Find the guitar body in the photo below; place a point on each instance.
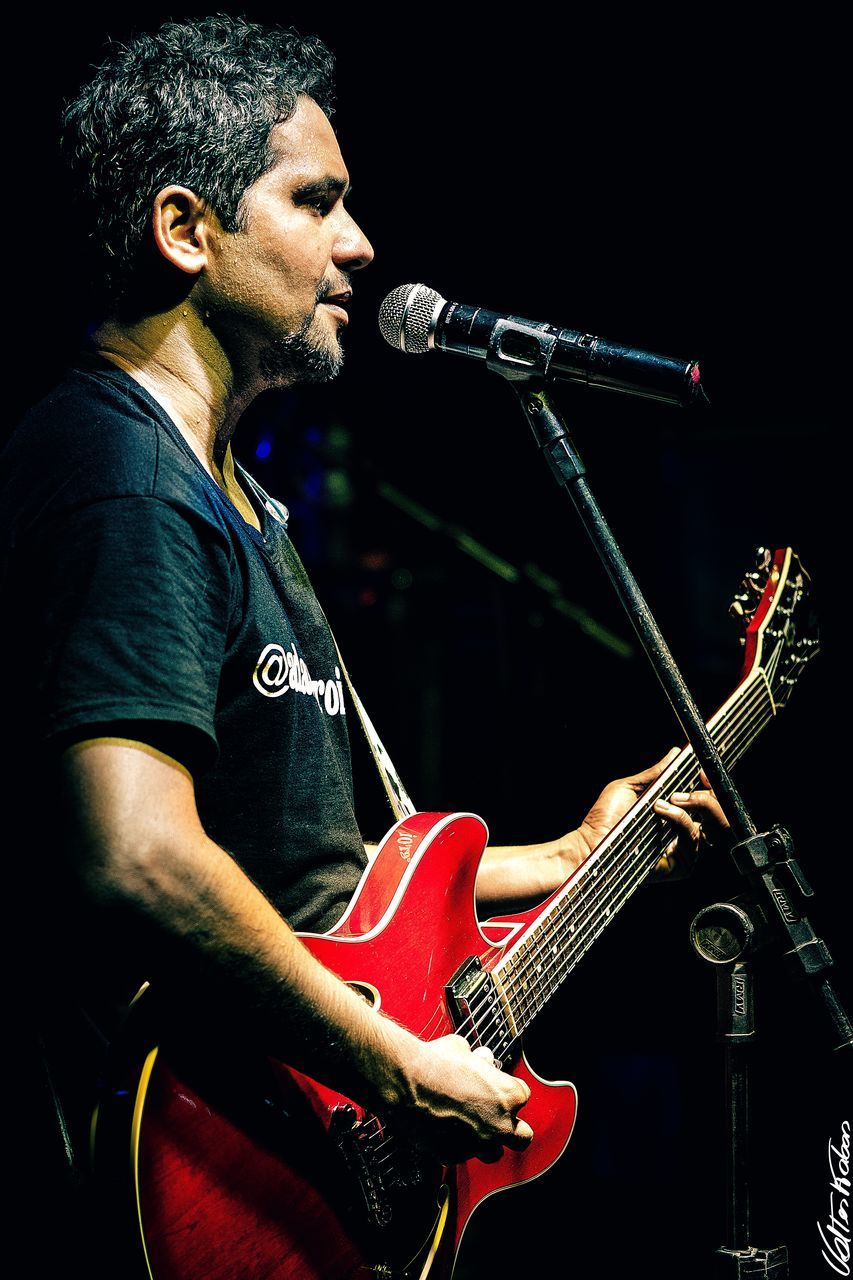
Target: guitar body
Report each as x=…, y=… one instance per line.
x=252, y=1171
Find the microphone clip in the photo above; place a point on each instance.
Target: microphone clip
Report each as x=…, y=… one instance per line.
x=521, y=350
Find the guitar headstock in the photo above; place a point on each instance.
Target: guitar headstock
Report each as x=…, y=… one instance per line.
x=781, y=633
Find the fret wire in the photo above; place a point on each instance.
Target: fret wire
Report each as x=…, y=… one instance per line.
x=534, y=976
x=626, y=887
x=736, y=723
x=645, y=835
x=689, y=770
x=523, y=1017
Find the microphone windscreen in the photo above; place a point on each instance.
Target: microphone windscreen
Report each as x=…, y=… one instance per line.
x=407, y=316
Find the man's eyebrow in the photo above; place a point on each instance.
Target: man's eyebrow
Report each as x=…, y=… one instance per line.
x=323, y=187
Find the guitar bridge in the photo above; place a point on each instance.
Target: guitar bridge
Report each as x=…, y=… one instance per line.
x=382, y=1167
x=354, y=1139
x=479, y=1010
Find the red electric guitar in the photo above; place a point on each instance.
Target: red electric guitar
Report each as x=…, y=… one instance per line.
x=248, y=1170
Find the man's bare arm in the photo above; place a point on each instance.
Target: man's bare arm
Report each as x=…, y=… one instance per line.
x=141, y=853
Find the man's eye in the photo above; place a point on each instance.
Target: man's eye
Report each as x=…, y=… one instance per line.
x=321, y=203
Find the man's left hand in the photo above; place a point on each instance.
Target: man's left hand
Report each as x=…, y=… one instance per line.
x=513, y=877
x=695, y=816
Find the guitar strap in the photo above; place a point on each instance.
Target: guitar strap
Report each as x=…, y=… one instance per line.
x=398, y=796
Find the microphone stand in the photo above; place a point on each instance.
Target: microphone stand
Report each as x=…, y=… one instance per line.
x=727, y=933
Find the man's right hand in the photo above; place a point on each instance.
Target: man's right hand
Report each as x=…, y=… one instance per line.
x=458, y=1105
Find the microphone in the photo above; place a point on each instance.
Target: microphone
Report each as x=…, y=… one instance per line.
x=416, y=319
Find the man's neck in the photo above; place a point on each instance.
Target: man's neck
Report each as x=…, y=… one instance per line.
x=181, y=366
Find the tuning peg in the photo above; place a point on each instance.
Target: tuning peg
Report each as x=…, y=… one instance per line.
x=741, y=606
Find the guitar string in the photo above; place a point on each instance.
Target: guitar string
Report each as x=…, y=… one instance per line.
x=744, y=733
x=730, y=725
x=741, y=723
x=606, y=878
x=733, y=726
x=744, y=723
x=603, y=883
x=586, y=913
x=751, y=722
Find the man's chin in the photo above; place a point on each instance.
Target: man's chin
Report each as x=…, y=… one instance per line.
x=294, y=358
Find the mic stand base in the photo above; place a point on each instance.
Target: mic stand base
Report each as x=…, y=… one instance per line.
x=727, y=935
x=751, y=1264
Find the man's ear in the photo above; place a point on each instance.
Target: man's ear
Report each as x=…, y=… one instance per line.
x=179, y=224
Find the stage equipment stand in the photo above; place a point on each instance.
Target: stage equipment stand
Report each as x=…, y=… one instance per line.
x=726, y=934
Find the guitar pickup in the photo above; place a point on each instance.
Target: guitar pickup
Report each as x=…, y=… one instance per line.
x=478, y=1009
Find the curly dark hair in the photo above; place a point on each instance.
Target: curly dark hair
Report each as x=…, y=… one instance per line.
x=193, y=104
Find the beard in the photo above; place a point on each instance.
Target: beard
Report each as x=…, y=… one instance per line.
x=301, y=356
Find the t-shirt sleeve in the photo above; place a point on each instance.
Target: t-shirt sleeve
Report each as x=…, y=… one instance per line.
x=130, y=603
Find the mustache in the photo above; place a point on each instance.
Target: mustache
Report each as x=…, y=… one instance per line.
x=327, y=287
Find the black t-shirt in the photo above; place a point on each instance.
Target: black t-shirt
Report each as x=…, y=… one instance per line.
x=146, y=606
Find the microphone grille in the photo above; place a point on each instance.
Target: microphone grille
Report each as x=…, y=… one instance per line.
x=407, y=317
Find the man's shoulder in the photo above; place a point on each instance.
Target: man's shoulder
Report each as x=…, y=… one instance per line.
x=97, y=428
x=98, y=435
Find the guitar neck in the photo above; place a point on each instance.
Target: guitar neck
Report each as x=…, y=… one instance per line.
x=532, y=969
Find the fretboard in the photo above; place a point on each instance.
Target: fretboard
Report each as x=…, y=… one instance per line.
x=536, y=965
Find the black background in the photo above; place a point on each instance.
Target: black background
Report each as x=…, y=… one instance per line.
x=668, y=182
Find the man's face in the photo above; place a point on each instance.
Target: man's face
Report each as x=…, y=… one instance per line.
x=278, y=287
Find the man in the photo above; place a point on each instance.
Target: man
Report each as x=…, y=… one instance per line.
x=200, y=819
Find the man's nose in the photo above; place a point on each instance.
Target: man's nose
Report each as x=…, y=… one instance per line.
x=353, y=250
